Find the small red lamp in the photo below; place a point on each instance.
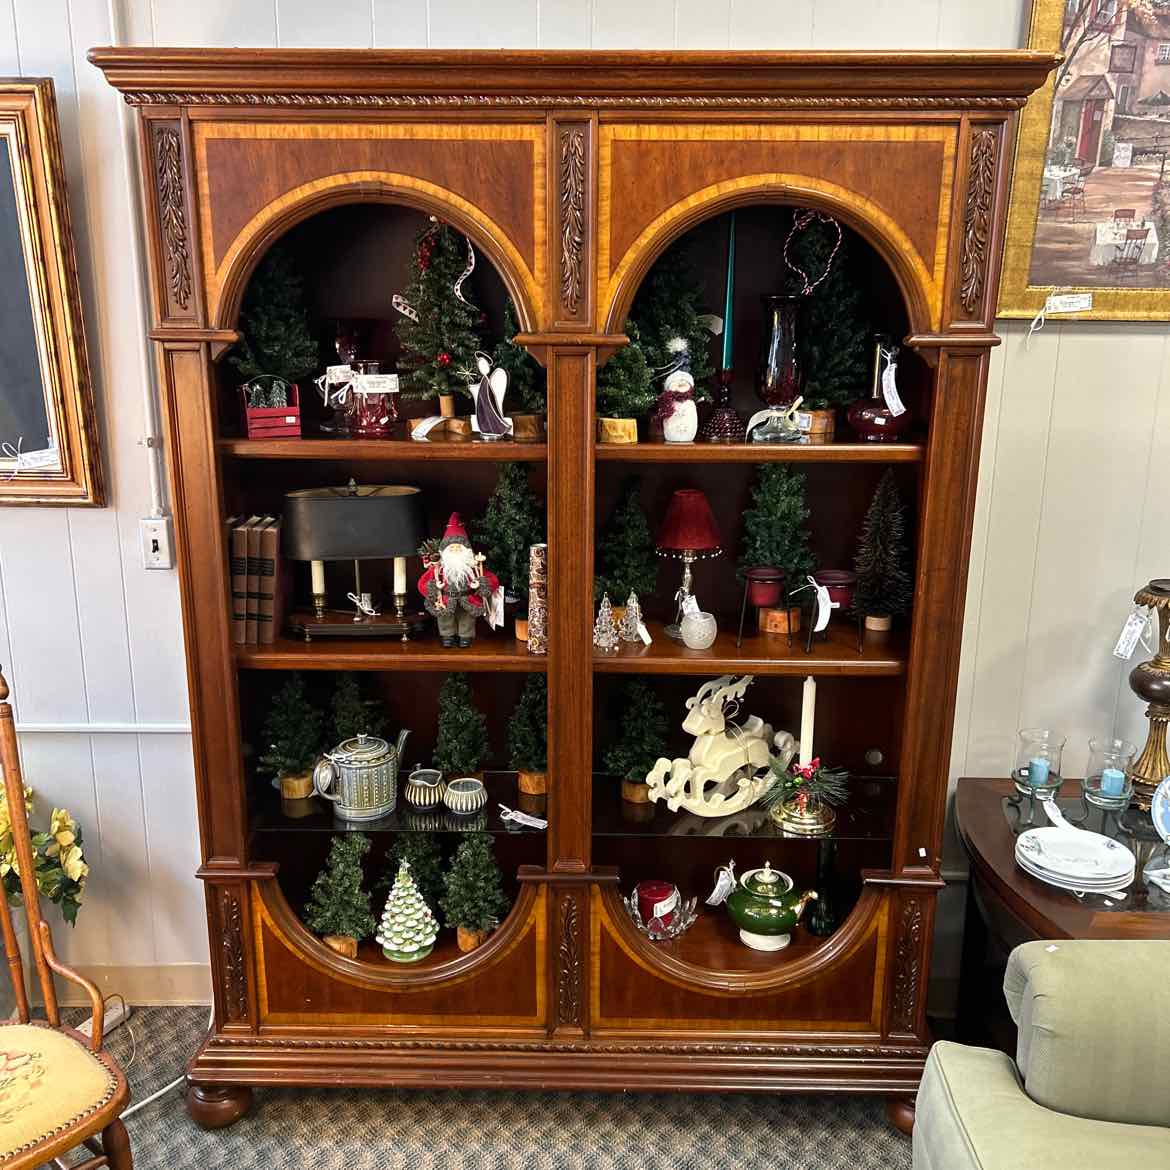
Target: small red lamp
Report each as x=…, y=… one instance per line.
x=688, y=533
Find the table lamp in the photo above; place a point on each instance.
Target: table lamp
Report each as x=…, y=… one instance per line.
x=688, y=533
x=354, y=523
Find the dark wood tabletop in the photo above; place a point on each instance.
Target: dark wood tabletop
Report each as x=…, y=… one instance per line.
x=1042, y=910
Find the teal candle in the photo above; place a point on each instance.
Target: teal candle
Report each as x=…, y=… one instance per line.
x=1037, y=771
x=729, y=294
x=1112, y=782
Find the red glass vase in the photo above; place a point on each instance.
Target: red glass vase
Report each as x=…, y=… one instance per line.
x=779, y=376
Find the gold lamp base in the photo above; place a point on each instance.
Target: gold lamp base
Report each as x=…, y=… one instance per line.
x=814, y=819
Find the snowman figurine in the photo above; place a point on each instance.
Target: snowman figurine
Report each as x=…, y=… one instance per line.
x=676, y=408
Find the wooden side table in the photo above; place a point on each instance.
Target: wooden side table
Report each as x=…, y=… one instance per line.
x=1006, y=906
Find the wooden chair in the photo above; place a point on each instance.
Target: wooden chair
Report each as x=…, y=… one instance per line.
x=1129, y=254
x=58, y=1090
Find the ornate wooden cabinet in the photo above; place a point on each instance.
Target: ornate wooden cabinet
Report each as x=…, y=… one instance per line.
x=571, y=173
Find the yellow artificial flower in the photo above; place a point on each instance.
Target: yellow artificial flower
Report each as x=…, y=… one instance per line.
x=73, y=863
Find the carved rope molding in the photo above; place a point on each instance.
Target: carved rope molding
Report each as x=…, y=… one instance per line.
x=172, y=212
x=235, y=981
x=569, y=962
x=645, y=101
x=572, y=211
x=907, y=967
x=977, y=224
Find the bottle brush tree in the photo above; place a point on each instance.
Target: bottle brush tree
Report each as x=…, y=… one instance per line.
x=275, y=334
x=292, y=731
x=425, y=856
x=473, y=896
x=885, y=586
x=774, y=530
x=512, y=522
x=353, y=714
x=641, y=733
x=528, y=728
x=338, y=905
x=625, y=550
x=526, y=380
x=443, y=341
x=462, y=741
x=625, y=386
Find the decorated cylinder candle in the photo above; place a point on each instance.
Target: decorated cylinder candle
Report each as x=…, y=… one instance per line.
x=1112, y=782
x=657, y=899
x=1037, y=771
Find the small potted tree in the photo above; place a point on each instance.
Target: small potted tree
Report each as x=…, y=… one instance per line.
x=528, y=736
x=512, y=522
x=885, y=587
x=338, y=908
x=292, y=733
x=526, y=381
x=276, y=347
x=473, y=897
x=353, y=714
x=641, y=740
x=625, y=550
x=625, y=392
x=776, y=542
x=462, y=741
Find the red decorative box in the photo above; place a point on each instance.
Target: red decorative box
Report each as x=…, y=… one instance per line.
x=273, y=422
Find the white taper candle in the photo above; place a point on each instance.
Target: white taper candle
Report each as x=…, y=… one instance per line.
x=317, y=570
x=399, y=576
x=807, y=718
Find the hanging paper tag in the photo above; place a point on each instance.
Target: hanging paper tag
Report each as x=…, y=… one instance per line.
x=48, y=459
x=338, y=373
x=724, y=884
x=378, y=383
x=495, y=609
x=509, y=815
x=424, y=426
x=662, y=908
x=644, y=634
x=690, y=605
x=1130, y=633
x=890, y=389
x=1069, y=303
x=824, y=607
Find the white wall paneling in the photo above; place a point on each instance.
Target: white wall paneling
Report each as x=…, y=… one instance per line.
x=1073, y=509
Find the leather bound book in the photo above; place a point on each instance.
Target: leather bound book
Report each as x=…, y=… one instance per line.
x=252, y=612
x=238, y=567
x=267, y=577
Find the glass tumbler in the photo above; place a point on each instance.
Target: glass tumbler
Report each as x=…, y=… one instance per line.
x=1037, y=770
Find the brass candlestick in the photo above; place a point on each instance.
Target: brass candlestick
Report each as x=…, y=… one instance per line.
x=1151, y=681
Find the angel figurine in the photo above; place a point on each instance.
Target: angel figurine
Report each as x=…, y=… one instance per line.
x=488, y=421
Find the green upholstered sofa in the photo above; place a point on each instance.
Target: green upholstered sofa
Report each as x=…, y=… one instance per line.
x=1090, y=1086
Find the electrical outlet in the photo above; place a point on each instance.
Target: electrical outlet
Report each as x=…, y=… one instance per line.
x=157, y=552
x=117, y=1012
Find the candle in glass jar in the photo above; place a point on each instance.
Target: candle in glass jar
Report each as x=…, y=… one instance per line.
x=1112, y=781
x=317, y=571
x=1038, y=771
x=807, y=718
x=399, y=576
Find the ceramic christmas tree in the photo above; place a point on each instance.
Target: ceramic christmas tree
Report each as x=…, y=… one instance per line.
x=408, y=929
x=605, y=632
x=631, y=620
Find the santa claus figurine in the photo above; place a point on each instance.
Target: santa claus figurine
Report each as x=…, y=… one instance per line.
x=457, y=587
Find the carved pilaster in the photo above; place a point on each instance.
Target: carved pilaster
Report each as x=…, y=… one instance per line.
x=232, y=957
x=569, y=960
x=170, y=194
x=907, y=966
x=977, y=217
x=571, y=217
x=572, y=199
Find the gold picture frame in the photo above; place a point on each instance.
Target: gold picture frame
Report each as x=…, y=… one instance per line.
x=1093, y=143
x=49, y=449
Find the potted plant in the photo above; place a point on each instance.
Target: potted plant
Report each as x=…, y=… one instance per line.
x=528, y=736
x=352, y=713
x=526, y=381
x=292, y=731
x=885, y=587
x=276, y=347
x=338, y=908
x=626, y=559
x=641, y=740
x=512, y=522
x=776, y=539
x=473, y=896
x=462, y=741
x=625, y=392
x=440, y=336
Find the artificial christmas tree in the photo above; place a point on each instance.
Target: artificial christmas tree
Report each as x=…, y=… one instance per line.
x=774, y=531
x=473, y=898
x=625, y=549
x=528, y=736
x=885, y=585
x=462, y=742
x=292, y=733
x=512, y=522
x=438, y=332
x=625, y=391
x=408, y=929
x=526, y=380
x=423, y=852
x=631, y=620
x=641, y=739
x=338, y=908
x=605, y=632
x=352, y=713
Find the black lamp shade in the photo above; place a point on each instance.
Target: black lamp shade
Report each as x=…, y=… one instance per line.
x=366, y=522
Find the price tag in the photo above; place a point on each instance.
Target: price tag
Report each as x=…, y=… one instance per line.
x=338, y=373
x=690, y=605
x=1127, y=640
x=379, y=383
x=644, y=634
x=47, y=460
x=515, y=817
x=1069, y=303
x=495, y=608
x=890, y=389
x=824, y=607
x=424, y=426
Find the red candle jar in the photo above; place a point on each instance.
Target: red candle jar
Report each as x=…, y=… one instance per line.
x=839, y=583
x=657, y=899
x=765, y=585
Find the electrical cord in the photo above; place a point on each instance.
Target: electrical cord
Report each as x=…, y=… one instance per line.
x=179, y=1080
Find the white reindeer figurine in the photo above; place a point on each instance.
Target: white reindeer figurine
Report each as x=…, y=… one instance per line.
x=727, y=768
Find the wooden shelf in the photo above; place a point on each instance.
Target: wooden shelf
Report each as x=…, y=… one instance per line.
x=881, y=655
x=760, y=453
x=488, y=652
x=713, y=944
x=383, y=450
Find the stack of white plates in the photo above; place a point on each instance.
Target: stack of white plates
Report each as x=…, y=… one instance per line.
x=1074, y=859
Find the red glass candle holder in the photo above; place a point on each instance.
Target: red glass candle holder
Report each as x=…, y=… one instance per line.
x=840, y=584
x=765, y=586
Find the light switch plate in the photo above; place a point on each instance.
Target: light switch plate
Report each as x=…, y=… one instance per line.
x=157, y=544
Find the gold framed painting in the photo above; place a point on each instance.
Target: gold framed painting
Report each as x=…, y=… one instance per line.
x=49, y=451
x=1090, y=204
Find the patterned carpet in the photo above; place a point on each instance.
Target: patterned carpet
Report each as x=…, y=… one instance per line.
x=362, y=1129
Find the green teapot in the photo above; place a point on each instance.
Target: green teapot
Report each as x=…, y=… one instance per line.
x=762, y=903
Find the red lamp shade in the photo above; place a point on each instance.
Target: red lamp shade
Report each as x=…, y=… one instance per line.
x=689, y=525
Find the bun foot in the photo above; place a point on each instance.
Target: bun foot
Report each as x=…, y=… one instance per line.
x=900, y=1111
x=217, y=1106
